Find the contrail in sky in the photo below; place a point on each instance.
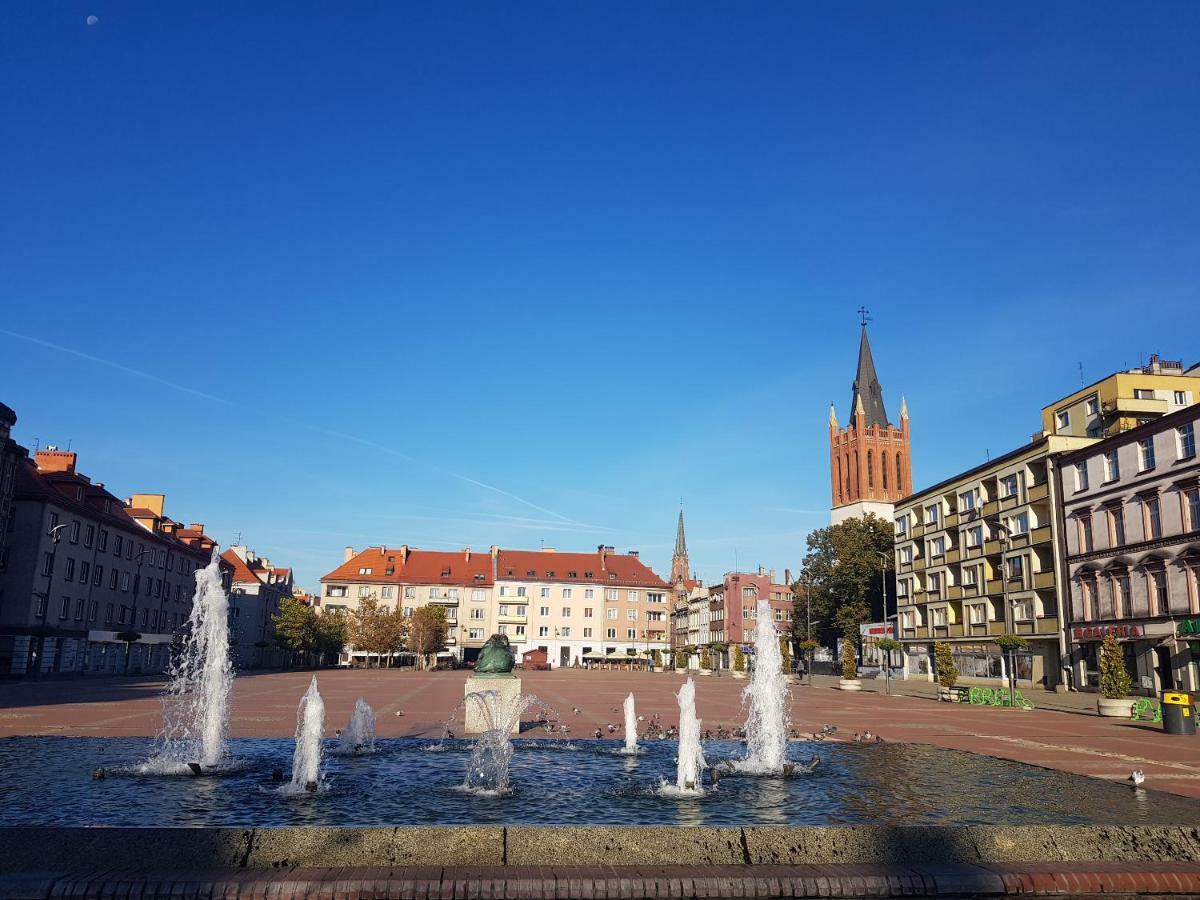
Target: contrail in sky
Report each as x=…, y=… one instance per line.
x=138, y=373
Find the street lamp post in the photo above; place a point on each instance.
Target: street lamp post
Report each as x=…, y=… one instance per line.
x=1007, y=666
x=55, y=535
x=883, y=558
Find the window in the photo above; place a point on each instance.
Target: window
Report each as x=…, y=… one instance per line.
x=971, y=576
x=1180, y=398
x=543, y=611
x=475, y=634
x=935, y=585
x=587, y=632
x=565, y=631
x=1143, y=394
x=633, y=596
x=1185, y=439
x=1116, y=525
x=1019, y=524
x=611, y=633
x=655, y=597
x=79, y=604
x=902, y=587
x=631, y=633
x=611, y=612
x=1008, y=485
x=69, y=570
x=1023, y=610
x=975, y=536
x=545, y=592
x=385, y=592
x=108, y=614
x=1085, y=534
x=1081, y=477
x=566, y=595
x=939, y=546
x=566, y=612
x=906, y=555
x=610, y=595
x=902, y=525
x=85, y=571
x=1124, y=597
x=543, y=631
x=112, y=579
x=125, y=584
x=939, y=617
x=1062, y=419
x=367, y=571
x=631, y=615
x=931, y=514
x=977, y=614
x=1192, y=498
x=98, y=576
x=1153, y=517
x=477, y=595
x=410, y=593
x=117, y=542
x=1112, y=468
x=520, y=630
x=477, y=614
x=966, y=501
x=588, y=594
x=74, y=532
x=1159, y=596
x=587, y=612
x=1145, y=454
x=521, y=591
x=64, y=608
x=364, y=591
x=1016, y=568
x=102, y=543
x=1092, y=405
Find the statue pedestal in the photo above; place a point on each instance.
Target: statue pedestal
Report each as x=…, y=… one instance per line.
x=506, y=686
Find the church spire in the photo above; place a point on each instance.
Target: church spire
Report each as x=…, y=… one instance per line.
x=867, y=388
x=679, y=559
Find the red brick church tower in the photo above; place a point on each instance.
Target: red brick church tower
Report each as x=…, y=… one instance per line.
x=870, y=466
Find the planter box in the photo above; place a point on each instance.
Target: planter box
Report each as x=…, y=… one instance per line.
x=1121, y=708
x=850, y=685
x=738, y=674
x=704, y=671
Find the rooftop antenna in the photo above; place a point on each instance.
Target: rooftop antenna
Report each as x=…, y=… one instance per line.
x=1081, y=372
x=988, y=451
x=70, y=441
x=865, y=313
x=37, y=444
x=735, y=562
x=238, y=539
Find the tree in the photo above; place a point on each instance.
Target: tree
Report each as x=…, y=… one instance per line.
x=295, y=627
x=947, y=672
x=843, y=572
x=785, y=651
x=427, y=631
x=656, y=658
x=373, y=630
x=739, y=658
x=1114, y=677
x=331, y=631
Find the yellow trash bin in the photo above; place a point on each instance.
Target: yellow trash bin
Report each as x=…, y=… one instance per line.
x=1178, y=715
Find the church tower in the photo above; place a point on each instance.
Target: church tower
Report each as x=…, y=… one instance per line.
x=869, y=461
x=680, y=571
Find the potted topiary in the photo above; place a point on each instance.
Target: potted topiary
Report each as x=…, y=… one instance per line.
x=785, y=653
x=681, y=660
x=849, y=680
x=739, y=661
x=705, y=661
x=1009, y=644
x=655, y=660
x=947, y=672
x=1114, y=680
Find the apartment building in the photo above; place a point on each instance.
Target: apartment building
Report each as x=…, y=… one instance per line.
x=461, y=582
x=577, y=605
x=90, y=577
x=1132, y=533
x=11, y=455
x=257, y=590
x=977, y=556
x=1124, y=400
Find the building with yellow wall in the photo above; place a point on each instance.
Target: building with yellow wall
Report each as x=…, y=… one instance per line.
x=1124, y=400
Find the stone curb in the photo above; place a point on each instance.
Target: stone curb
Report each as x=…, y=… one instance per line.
x=30, y=850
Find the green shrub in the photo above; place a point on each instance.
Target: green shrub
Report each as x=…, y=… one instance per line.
x=849, y=663
x=1114, y=677
x=785, y=650
x=656, y=658
x=739, y=658
x=705, y=659
x=681, y=660
x=947, y=672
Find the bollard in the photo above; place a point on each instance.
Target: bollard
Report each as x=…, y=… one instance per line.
x=1178, y=717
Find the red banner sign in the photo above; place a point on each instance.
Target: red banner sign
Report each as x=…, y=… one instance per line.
x=1100, y=632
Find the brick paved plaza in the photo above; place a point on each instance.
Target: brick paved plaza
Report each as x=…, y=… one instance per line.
x=265, y=706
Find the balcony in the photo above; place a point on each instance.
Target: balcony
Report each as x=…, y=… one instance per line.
x=1041, y=535
x=512, y=617
x=951, y=520
x=1043, y=580
x=1136, y=405
x=1047, y=625
x=953, y=555
x=995, y=586
x=1039, y=492
x=444, y=600
x=954, y=592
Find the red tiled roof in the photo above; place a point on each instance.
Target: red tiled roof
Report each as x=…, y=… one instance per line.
x=612, y=568
x=421, y=567
x=243, y=572
x=138, y=512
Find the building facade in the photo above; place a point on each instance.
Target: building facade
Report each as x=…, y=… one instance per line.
x=870, y=464
x=978, y=556
x=1124, y=400
x=91, y=585
x=257, y=590
x=1132, y=532
x=722, y=615
x=12, y=455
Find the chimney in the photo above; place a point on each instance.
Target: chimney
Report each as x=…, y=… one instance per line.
x=466, y=554
x=403, y=554
x=633, y=553
x=54, y=460
x=548, y=550
x=772, y=574
x=762, y=571
x=382, y=550
x=787, y=577
x=603, y=551
x=348, y=555
x=197, y=526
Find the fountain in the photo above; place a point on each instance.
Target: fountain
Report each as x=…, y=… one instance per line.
x=487, y=769
x=767, y=695
x=691, y=755
x=631, y=735
x=359, y=735
x=196, y=703
x=310, y=730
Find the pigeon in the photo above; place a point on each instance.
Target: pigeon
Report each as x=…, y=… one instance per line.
x=99, y=775
x=577, y=710
x=399, y=712
x=867, y=736
x=611, y=727
x=641, y=718
x=599, y=734
x=809, y=766
x=1137, y=777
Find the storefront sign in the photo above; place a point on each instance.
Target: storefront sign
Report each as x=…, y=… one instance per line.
x=1100, y=632
x=1190, y=627
x=875, y=630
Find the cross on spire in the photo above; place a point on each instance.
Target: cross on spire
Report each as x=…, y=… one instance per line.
x=865, y=313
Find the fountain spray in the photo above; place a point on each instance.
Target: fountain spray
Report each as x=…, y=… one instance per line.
x=767, y=696
x=359, y=735
x=691, y=754
x=310, y=730
x=631, y=736
x=195, y=722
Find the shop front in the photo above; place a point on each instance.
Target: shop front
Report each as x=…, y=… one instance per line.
x=1155, y=659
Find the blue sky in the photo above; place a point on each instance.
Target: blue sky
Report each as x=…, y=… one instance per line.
x=457, y=274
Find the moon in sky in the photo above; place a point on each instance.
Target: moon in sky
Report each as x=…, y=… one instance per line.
x=92, y=20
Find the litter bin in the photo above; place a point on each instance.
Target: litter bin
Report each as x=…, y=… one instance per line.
x=1178, y=717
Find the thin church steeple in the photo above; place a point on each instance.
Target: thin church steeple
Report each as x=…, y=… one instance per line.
x=679, y=559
